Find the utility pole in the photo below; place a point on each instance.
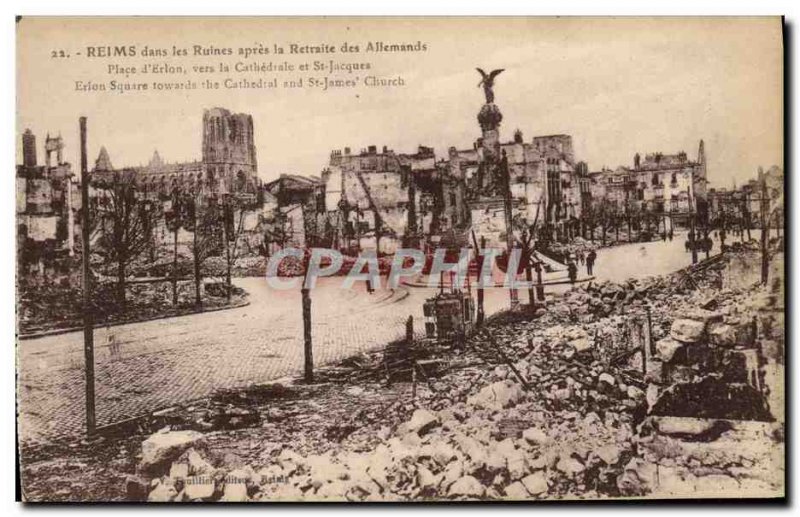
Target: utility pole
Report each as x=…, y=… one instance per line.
x=88, y=315
x=196, y=256
x=307, y=344
x=692, y=234
x=747, y=217
x=175, y=267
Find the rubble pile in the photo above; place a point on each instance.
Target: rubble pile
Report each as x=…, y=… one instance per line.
x=476, y=432
x=571, y=403
x=714, y=425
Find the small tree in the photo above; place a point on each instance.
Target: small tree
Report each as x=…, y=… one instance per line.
x=205, y=239
x=125, y=223
x=175, y=219
x=232, y=225
x=526, y=240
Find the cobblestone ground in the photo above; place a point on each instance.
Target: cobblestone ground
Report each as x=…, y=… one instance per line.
x=165, y=362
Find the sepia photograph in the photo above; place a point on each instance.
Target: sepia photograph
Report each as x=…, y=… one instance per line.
x=400, y=259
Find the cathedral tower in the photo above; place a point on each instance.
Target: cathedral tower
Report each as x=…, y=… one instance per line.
x=28, y=149
x=229, y=152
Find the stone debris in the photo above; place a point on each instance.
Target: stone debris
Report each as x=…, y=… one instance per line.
x=163, y=447
x=589, y=427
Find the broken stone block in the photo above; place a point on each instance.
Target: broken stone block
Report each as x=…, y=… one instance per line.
x=697, y=314
x=179, y=470
x=536, y=483
x=422, y=421
x=569, y=465
x=467, y=486
x=667, y=348
x=452, y=473
x=517, y=464
x=581, y=345
x=503, y=394
x=652, y=394
x=729, y=336
x=163, y=447
x=640, y=477
x=607, y=378
x=635, y=393
x=535, y=436
x=197, y=465
x=683, y=426
x=687, y=331
x=427, y=480
x=516, y=491
x=162, y=493
x=609, y=453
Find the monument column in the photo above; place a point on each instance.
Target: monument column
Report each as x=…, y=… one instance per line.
x=489, y=118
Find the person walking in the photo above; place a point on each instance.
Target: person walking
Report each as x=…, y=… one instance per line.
x=572, y=268
x=590, y=258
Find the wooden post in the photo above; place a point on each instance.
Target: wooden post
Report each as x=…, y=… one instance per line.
x=307, y=344
x=88, y=314
x=539, y=284
x=413, y=382
x=480, y=314
x=529, y=279
x=175, y=267
x=764, y=231
x=407, y=356
x=196, y=257
x=649, y=348
x=692, y=229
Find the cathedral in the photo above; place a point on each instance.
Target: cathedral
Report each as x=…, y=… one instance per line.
x=228, y=164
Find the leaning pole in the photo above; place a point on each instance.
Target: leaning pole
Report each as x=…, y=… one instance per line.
x=88, y=315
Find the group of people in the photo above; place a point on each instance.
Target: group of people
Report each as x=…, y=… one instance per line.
x=579, y=257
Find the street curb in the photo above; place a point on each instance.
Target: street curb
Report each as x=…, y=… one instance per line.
x=55, y=332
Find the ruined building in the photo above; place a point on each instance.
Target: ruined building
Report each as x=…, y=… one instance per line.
x=422, y=195
x=670, y=185
x=382, y=197
x=47, y=200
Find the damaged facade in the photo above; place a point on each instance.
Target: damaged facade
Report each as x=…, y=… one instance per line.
x=47, y=199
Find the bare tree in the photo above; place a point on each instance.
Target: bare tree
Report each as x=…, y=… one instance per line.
x=527, y=242
x=608, y=218
x=232, y=226
x=125, y=222
x=203, y=223
x=175, y=219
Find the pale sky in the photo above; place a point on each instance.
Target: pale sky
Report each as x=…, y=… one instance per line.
x=618, y=86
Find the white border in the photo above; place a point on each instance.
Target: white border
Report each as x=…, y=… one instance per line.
x=339, y=7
